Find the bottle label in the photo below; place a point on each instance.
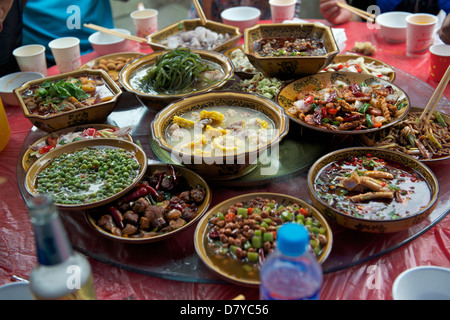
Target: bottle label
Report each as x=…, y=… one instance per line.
x=265, y=294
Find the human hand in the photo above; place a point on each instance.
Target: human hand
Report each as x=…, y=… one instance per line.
x=444, y=31
x=5, y=6
x=333, y=13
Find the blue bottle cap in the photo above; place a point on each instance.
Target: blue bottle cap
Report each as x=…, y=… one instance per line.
x=292, y=239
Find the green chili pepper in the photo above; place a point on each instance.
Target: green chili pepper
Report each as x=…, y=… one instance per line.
x=440, y=119
x=364, y=107
x=369, y=120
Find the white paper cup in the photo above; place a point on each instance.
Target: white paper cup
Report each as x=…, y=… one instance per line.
x=145, y=22
x=419, y=33
x=31, y=58
x=282, y=10
x=66, y=52
x=422, y=283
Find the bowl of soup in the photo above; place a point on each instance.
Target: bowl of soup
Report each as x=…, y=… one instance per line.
x=290, y=50
x=372, y=190
x=69, y=99
x=165, y=76
x=221, y=135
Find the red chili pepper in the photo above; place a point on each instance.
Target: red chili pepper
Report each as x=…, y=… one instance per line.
x=141, y=191
x=309, y=99
x=45, y=149
x=332, y=111
x=90, y=132
x=352, y=117
x=229, y=217
x=340, y=67
x=304, y=212
x=117, y=216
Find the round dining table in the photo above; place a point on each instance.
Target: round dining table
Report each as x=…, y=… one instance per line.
x=361, y=266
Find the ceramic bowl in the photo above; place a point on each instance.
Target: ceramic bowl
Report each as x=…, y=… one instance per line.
x=228, y=166
x=368, y=225
x=33, y=172
x=155, y=39
x=242, y=66
x=16, y=291
x=288, y=94
x=422, y=283
x=192, y=179
x=28, y=159
x=392, y=26
x=12, y=81
x=161, y=100
x=104, y=43
x=202, y=230
x=342, y=59
x=96, y=113
x=242, y=17
x=290, y=67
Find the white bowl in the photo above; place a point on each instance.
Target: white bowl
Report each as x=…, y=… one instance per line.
x=242, y=17
x=12, y=81
x=392, y=25
x=422, y=283
x=104, y=43
x=16, y=291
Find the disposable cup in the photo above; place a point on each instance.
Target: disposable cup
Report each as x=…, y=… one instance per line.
x=419, y=33
x=422, y=283
x=66, y=52
x=31, y=58
x=145, y=22
x=282, y=10
x=439, y=60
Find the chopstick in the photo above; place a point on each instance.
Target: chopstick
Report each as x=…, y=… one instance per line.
x=437, y=94
x=200, y=12
x=114, y=33
x=361, y=13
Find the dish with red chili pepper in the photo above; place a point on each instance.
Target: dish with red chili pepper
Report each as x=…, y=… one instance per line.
x=162, y=202
x=338, y=106
x=372, y=188
x=240, y=238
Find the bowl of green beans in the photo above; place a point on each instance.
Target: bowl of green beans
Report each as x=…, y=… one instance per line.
x=87, y=173
x=162, y=77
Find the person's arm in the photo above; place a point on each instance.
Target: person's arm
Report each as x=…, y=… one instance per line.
x=444, y=31
x=335, y=14
x=206, y=5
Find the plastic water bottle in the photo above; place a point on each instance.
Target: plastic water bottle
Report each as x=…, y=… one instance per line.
x=291, y=271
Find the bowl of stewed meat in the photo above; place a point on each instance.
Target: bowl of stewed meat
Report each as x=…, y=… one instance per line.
x=235, y=237
x=372, y=190
x=222, y=135
x=68, y=99
x=290, y=50
x=167, y=200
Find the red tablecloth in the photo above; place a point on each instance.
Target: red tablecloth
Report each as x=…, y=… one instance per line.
x=371, y=280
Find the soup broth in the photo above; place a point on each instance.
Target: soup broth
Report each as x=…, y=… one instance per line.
x=220, y=131
x=372, y=188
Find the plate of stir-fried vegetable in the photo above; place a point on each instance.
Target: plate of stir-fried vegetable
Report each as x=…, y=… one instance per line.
x=344, y=102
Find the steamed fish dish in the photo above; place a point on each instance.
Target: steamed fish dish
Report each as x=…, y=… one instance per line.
x=219, y=131
x=178, y=71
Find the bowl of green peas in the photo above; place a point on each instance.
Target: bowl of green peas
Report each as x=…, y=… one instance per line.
x=234, y=238
x=87, y=173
